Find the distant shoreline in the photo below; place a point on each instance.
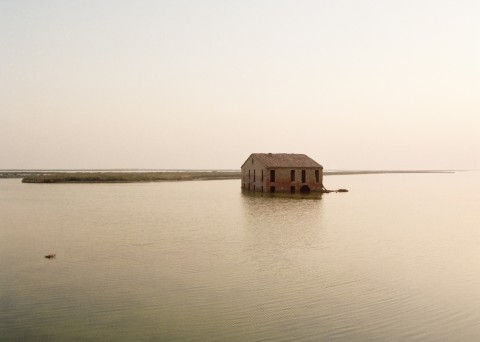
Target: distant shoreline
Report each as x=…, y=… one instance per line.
x=161, y=176
x=376, y=172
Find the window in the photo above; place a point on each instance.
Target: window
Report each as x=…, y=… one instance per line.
x=304, y=176
x=272, y=175
x=292, y=189
x=272, y=188
x=317, y=176
x=262, y=175
x=292, y=175
x=254, y=178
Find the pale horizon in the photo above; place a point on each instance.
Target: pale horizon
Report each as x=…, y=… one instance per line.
x=201, y=85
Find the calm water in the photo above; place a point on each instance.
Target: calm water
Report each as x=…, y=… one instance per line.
x=396, y=258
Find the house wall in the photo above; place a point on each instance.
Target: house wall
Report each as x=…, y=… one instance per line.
x=252, y=175
x=283, y=181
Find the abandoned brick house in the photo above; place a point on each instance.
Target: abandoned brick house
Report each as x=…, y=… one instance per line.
x=282, y=172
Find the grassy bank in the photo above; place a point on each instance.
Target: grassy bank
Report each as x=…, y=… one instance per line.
x=130, y=177
x=127, y=177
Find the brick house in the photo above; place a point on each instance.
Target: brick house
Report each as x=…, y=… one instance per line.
x=282, y=172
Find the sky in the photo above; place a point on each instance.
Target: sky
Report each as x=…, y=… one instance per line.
x=354, y=84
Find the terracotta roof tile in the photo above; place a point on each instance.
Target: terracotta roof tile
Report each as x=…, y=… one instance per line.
x=285, y=160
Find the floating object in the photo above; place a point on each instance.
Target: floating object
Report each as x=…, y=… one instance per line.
x=50, y=256
x=326, y=191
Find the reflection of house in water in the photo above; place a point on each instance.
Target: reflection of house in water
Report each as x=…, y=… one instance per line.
x=281, y=172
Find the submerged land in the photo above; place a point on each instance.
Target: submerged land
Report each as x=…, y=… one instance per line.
x=160, y=176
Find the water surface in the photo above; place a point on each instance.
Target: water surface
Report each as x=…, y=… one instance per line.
x=396, y=258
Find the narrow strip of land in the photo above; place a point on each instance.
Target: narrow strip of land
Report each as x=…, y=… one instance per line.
x=128, y=177
x=161, y=176
x=374, y=172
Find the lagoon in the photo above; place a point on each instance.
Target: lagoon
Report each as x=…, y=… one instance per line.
x=395, y=258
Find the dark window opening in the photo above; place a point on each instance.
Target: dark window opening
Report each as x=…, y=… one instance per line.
x=304, y=176
x=292, y=175
x=254, y=178
x=262, y=188
x=317, y=176
x=272, y=175
x=272, y=188
x=262, y=175
x=292, y=189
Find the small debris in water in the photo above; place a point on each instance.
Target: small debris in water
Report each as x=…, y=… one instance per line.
x=329, y=191
x=50, y=256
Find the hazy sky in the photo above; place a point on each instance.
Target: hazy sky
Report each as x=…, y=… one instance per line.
x=202, y=84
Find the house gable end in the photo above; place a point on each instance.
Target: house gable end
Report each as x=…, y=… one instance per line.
x=256, y=161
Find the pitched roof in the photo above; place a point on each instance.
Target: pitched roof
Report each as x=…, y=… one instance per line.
x=285, y=160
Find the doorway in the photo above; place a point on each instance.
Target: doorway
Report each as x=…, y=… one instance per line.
x=305, y=189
